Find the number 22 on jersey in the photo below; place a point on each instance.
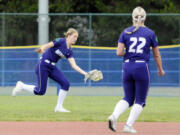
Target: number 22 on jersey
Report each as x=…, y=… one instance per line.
x=139, y=46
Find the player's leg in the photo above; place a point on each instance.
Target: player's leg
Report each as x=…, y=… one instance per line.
x=40, y=89
x=42, y=78
x=123, y=104
x=142, y=86
x=128, y=83
x=59, y=77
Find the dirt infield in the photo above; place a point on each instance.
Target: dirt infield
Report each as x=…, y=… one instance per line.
x=84, y=128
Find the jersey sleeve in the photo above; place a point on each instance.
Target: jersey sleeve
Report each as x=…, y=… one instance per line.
x=121, y=38
x=57, y=42
x=154, y=40
x=69, y=54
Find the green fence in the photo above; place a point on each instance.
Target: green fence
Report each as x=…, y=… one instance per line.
x=94, y=29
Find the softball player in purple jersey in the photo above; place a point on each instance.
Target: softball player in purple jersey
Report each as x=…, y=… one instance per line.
x=137, y=40
x=46, y=67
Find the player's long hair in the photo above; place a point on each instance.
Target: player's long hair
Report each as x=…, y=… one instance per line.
x=138, y=16
x=70, y=31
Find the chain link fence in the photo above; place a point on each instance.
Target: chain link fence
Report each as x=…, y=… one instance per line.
x=94, y=29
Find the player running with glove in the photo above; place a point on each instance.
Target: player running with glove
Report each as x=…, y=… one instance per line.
x=46, y=67
x=137, y=40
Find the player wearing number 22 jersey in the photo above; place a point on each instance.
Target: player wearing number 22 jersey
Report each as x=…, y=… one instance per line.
x=138, y=44
x=137, y=41
x=136, y=75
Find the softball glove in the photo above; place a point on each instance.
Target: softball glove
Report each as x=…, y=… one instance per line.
x=94, y=75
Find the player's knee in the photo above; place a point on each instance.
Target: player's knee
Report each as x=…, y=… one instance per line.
x=65, y=85
x=142, y=103
x=39, y=92
x=130, y=101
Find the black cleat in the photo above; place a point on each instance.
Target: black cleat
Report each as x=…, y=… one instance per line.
x=112, y=123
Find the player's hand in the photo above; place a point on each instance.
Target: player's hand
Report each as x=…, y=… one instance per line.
x=161, y=73
x=39, y=50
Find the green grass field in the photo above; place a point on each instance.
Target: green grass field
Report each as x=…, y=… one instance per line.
x=84, y=108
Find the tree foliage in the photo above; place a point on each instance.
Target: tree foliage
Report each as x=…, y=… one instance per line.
x=18, y=6
x=92, y=6
x=105, y=30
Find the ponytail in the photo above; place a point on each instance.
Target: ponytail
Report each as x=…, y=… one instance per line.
x=138, y=15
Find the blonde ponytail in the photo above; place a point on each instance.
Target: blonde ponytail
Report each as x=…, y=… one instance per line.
x=138, y=16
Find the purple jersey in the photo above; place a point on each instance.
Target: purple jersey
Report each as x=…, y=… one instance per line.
x=59, y=51
x=138, y=43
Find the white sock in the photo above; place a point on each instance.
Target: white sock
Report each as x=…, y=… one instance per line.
x=29, y=88
x=135, y=112
x=61, y=98
x=121, y=106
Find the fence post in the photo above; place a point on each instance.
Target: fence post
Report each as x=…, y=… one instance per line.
x=179, y=51
x=3, y=44
x=90, y=42
x=43, y=22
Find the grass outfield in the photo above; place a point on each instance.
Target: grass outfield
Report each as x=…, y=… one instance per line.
x=84, y=108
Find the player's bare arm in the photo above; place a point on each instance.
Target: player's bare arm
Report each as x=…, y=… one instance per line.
x=120, y=49
x=157, y=58
x=75, y=66
x=44, y=47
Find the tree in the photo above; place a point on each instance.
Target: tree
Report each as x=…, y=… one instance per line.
x=22, y=30
x=91, y=6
